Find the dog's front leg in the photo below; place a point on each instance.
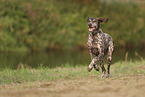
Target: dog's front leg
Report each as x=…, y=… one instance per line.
x=89, y=43
x=90, y=52
x=93, y=62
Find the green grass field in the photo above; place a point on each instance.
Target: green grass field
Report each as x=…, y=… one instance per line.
x=45, y=74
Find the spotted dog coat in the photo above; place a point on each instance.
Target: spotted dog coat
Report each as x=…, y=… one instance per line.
x=99, y=44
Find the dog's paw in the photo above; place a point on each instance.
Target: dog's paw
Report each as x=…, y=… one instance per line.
x=89, y=69
x=96, y=68
x=107, y=75
x=102, y=75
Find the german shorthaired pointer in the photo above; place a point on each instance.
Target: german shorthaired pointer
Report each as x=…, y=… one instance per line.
x=99, y=44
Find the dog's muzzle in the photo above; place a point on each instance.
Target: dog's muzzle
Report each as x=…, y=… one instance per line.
x=90, y=27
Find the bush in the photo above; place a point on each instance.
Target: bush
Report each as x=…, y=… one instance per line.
x=43, y=24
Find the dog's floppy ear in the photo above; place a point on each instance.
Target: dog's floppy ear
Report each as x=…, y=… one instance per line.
x=102, y=20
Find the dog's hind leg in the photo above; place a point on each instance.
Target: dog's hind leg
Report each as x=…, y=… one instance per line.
x=109, y=58
x=102, y=66
x=101, y=60
x=108, y=65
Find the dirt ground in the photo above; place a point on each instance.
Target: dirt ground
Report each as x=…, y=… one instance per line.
x=128, y=86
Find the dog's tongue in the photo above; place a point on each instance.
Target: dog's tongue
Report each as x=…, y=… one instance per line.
x=91, y=29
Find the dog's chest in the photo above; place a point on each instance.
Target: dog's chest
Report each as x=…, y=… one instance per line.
x=98, y=39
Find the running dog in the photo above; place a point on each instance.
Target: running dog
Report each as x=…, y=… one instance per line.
x=99, y=43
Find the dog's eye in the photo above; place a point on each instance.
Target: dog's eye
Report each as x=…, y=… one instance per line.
x=89, y=20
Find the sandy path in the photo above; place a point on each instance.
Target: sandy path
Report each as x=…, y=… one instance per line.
x=130, y=86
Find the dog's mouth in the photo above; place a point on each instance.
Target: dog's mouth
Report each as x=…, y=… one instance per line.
x=91, y=29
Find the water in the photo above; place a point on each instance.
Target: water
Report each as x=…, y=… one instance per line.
x=56, y=58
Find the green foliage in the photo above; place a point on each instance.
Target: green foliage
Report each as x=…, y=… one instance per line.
x=42, y=24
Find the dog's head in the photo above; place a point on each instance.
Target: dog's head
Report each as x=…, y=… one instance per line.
x=94, y=23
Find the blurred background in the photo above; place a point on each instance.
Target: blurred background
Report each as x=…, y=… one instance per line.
x=55, y=32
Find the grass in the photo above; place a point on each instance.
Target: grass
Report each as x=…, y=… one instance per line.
x=45, y=74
